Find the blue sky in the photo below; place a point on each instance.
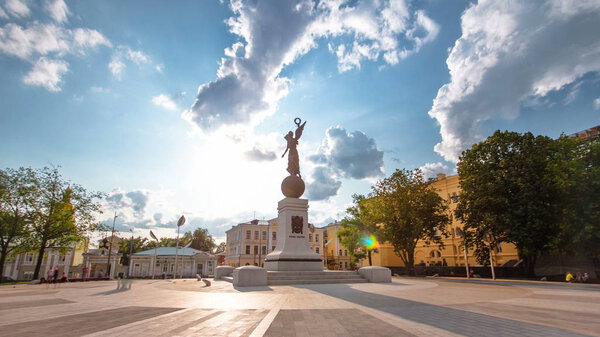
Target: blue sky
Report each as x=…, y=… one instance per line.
x=181, y=107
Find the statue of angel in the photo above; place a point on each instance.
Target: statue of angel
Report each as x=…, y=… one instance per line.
x=292, y=141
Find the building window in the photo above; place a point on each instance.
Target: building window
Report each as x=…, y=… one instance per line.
x=340, y=251
x=264, y=250
x=316, y=237
x=255, y=235
x=247, y=249
x=264, y=236
x=341, y=265
x=309, y=237
x=454, y=197
x=274, y=234
x=248, y=235
x=499, y=248
x=345, y=252
x=255, y=250
x=346, y=265
x=317, y=250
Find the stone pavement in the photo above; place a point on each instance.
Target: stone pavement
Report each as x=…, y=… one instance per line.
x=406, y=307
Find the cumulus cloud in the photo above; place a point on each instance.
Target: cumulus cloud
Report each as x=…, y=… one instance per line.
x=352, y=155
x=124, y=54
x=509, y=51
x=57, y=10
x=257, y=154
x=133, y=201
x=45, y=45
x=597, y=104
x=431, y=170
x=46, y=73
x=16, y=8
x=165, y=102
x=275, y=33
x=322, y=184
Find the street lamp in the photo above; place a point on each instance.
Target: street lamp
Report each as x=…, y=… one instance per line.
x=112, y=234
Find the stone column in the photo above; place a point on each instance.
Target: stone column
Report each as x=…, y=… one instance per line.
x=293, y=249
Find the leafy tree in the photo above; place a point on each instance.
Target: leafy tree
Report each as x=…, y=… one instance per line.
x=221, y=247
x=513, y=190
x=408, y=210
x=200, y=239
x=164, y=242
x=15, y=219
x=356, y=227
x=132, y=245
x=62, y=212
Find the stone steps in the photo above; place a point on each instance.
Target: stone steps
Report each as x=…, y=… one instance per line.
x=313, y=277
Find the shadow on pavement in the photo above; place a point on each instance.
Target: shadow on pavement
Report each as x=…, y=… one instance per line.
x=453, y=320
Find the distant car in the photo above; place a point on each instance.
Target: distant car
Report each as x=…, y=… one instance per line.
x=7, y=279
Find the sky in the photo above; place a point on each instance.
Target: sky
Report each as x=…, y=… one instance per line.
x=180, y=108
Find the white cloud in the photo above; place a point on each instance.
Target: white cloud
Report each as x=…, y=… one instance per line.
x=275, y=33
x=133, y=202
x=89, y=38
x=3, y=14
x=165, y=102
x=57, y=9
x=509, y=51
x=322, y=184
x=46, y=73
x=124, y=53
x=597, y=104
x=431, y=170
x=351, y=154
x=16, y=8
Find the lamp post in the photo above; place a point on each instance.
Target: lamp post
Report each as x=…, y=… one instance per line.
x=154, y=262
x=130, y=253
x=112, y=234
x=180, y=223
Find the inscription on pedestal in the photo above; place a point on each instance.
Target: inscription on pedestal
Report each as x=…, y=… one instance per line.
x=297, y=224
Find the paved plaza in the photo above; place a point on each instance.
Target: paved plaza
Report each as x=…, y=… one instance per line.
x=406, y=307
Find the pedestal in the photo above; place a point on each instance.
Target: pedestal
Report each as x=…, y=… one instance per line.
x=293, y=252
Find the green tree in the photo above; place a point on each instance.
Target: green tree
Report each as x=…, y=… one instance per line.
x=221, y=247
x=357, y=227
x=513, y=189
x=15, y=219
x=62, y=212
x=133, y=245
x=200, y=239
x=164, y=242
x=408, y=210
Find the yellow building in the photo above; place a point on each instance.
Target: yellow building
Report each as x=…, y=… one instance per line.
x=452, y=254
x=337, y=255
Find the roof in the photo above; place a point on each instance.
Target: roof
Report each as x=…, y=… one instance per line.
x=166, y=251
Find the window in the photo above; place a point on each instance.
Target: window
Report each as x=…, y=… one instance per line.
x=454, y=197
x=309, y=237
x=248, y=249
x=316, y=237
x=499, y=248
x=340, y=252
x=264, y=235
x=255, y=250
x=346, y=265
x=274, y=234
x=255, y=235
x=264, y=250
x=341, y=265
x=345, y=252
x=248, y=235
x=317, y=250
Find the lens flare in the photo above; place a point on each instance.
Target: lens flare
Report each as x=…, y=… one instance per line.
x=370, y=242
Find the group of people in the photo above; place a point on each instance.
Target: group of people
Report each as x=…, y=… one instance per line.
x=579, y=277
x=52, y=276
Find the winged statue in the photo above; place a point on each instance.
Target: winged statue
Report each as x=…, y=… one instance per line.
x=292, y=142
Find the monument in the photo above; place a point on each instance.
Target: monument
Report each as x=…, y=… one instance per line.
x=293, y=252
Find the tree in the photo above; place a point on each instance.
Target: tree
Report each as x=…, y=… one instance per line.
x=357, y=228
x=164, y=242
x=132, y=245
x=221, y=247
x=15, y=219
x=513, y=190
x=408, y=210
x=200, y=239
x=62, y=212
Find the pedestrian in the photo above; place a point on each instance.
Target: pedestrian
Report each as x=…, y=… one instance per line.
x=55, y=274
x=585, y=277
x=569, y=277
x=578, y=277
x=63, y=279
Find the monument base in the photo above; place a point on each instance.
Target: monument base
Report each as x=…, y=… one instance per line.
x=294, y=265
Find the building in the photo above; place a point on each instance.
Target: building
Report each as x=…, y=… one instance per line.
x=68, y=260
x=161, y=262
x=337, y=256
x=587, y=135
x=452, y=254
x=249, y=242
